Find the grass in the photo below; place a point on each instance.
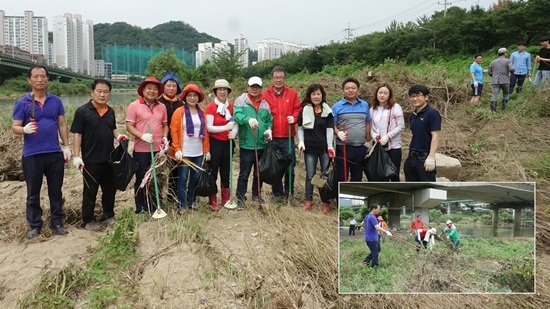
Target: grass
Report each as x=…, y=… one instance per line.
x=485, y=265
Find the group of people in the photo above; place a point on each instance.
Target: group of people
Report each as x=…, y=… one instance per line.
x=509, y=73
x=168, y=118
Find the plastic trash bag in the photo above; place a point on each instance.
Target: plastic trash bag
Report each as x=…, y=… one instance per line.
x=122, y=165
x=379, y=166
x=206, y=185
x=273, y=165
x=329, y=190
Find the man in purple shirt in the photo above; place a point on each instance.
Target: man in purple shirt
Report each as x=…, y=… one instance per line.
x=371, y=235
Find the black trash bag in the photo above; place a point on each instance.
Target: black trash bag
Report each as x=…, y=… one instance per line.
x=330, y=190
x=122, y=165
x=206, y=185
x=273, y=165
x=379, y=166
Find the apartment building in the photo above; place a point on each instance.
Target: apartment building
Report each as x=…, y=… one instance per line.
x=28, y=33
x=207, y=51
x=73, y=43
x=241, y=46
x=269, y=49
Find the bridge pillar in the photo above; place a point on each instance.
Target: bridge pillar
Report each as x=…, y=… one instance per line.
x=495, y=222
x=394, y=218
x=517, y=218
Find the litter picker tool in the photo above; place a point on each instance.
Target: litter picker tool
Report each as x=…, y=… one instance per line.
x=405, y=242
x=260, y=208
x=289, y=167
x=230, y=204
x=159, y=213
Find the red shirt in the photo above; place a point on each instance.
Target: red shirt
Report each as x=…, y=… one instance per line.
x=417, y=224
x=423, y=233
x=283, y=105
x=219, y=120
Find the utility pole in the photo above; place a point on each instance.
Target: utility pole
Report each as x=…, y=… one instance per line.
x=445, y=7
x=349, y=33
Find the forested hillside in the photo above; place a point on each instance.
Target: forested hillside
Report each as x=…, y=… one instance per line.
x=172, y=34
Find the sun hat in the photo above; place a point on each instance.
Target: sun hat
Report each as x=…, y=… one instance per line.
x=433, y=230
x=380, y=218
x=255, y=80
x=192, y=88
x=171, y=76
x=221, y=83
x=449, y=222
x=502, y=50
x=150, y=80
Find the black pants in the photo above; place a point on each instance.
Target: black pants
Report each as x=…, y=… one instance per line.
x=374, y=247
x=520, y=79
x=282, y=145
x=414, y=169
x=219, y=162
x=35, y=167
x=104, y=177
x=395, y=157
x=247, y=161
x=142, y=199
x=355, y=158
x=351, y=230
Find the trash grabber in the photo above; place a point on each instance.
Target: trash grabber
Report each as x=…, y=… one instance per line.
x=345, y=154
x=159, y=213
x=405, y=242
x=230, y=204
x=260, y=208
x=289, y=167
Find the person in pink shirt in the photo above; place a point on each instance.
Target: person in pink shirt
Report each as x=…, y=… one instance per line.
x=143, y=112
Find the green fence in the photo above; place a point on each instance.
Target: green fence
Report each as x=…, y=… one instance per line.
x=132, y=60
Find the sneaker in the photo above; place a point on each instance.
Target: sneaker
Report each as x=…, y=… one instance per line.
x=240, y=205
x=308, y=205
x=108, y=221
x=33, y=233
x=93, y=226
x=59, y=230
x=256, y=198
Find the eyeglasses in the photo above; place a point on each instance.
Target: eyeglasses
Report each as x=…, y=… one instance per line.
x=415, y=95
x=278, y=77
x=192, y=95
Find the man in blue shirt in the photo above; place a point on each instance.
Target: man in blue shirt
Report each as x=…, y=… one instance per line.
x=476, y=75
x=521, y=60
x=370, y=223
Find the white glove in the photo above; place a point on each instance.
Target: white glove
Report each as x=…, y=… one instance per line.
x=231, y=135
x=147, y=137
x=384, y=140
x=179, y=155
x=66, y=153
x=429, y=164
x=343, y=136
x=301, y=146
x=475, y=83
x=77, y=162
x=375, y=136
x=229, y=126
x=207, y=156
x=253, y=123
x=368, y=145
x=164, y=143
x=388, y=233
x=290, y=119
x=121, y=137
x=268, y=134
x=30, y=128
x=447, y=237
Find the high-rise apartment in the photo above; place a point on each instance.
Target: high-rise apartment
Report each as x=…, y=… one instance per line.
x=28, y=33
x=207, y=51
x=273, y=48
x=73, y=43
x=241, y=47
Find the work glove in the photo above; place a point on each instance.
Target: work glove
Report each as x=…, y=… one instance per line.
x=268, y=135
x=179, y=155
x=290, y=119
x=475, y=84
x=301, y=146
x=66, y=153
x=30, y=128
x=231, y=135
x=164, y=143
x=121, y=137
x=384, y=140
x=330, y=152
x=147, y=137
x=229, y=126
x=447, y=237
x=375, y=136
x=343, y=136
x=253, y=123
x=77, y=162
x=369, y=145
x=429, y=164
x=389, y=233
x=207, y=156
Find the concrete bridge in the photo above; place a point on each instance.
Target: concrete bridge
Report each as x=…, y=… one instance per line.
x=422, y=196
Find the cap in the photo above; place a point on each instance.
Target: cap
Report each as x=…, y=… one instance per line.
x=255, y=80
x=433, y=230
x=502, y=50
x=449, y=222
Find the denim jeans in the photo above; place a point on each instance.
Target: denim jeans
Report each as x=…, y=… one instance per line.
x=374, y=247
x=311, y=167
x=542, y=78
x=520, y=79
x=186, y=191
x=414, y=169
x=247, y=161
x=142, y=198
x=282, y=145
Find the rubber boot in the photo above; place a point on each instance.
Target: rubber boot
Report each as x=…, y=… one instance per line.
x=212, y=200
x=225, y=195
x=504, y=102
x=326, y=207
x=494, y=106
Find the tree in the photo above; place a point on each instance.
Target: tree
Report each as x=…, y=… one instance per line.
x=165, y=62
x=346, y=213
x=227, y=64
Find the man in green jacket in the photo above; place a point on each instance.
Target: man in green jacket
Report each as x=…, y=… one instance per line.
x=452, y=234
x=252, y=114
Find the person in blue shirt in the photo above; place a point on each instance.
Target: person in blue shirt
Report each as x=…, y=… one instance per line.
x=370, y=223
x=521, y=60
x=476, y=75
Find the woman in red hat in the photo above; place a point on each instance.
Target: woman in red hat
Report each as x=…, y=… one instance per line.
x=189, y=141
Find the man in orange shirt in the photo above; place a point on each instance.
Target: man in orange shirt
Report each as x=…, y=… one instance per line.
x=416, y=225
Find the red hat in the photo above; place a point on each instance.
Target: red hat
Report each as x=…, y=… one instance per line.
x=380, y=218
x=192, y=88
x=150, y=80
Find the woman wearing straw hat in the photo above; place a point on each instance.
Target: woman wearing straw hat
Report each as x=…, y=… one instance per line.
x=190, y=142
x=221, y=128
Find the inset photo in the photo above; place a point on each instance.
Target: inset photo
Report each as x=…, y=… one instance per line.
x=436, y=237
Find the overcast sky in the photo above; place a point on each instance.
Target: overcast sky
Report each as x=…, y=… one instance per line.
x=311, y=22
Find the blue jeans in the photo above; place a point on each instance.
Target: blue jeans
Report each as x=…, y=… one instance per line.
x=311, y=167
x=519, y=79
x=542, y=78
x=374, y=247
x=186, y=192
x=34, y=168
x=282, y=145
x=247, y=161
x=414, y=169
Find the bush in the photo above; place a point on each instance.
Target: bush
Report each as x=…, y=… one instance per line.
x=435, y=215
